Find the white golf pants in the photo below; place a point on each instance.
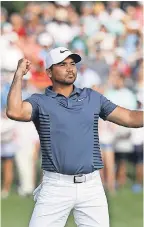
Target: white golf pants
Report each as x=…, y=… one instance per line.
x=58, y=195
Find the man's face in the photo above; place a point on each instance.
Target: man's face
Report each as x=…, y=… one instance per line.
x=65, y=72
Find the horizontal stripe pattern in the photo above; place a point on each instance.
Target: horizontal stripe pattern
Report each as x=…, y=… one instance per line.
x=97, y=160
x=45, y=139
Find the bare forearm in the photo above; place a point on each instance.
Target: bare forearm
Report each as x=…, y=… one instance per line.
x=127, y=118
x=136, y=119
x=14, y=100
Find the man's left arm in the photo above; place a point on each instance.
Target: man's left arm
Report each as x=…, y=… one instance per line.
x=125, y=117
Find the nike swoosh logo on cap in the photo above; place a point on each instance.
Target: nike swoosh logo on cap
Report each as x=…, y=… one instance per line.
x=62, y=51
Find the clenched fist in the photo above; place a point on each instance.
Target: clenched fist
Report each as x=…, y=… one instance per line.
x=23, y=66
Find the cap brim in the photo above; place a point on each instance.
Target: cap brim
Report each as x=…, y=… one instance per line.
x=75, y=57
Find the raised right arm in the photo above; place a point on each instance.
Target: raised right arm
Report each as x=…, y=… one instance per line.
x=16, y=108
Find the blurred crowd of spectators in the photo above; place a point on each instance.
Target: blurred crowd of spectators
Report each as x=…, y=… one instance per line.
x=110, y=41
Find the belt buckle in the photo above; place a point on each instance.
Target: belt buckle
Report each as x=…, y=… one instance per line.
x=79, y=178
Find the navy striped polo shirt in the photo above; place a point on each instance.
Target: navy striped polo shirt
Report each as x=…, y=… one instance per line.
x=68, y=129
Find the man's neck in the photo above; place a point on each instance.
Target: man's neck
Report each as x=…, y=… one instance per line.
x=63, y=89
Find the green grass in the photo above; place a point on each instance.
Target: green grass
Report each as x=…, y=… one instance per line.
x=125, y=210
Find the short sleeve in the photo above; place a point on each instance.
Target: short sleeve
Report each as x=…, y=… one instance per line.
x=106, y=107
x=33, y=100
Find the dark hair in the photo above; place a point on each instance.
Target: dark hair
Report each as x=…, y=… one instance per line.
x=51, y=67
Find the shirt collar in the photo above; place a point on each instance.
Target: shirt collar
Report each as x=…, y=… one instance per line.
x=53, y=94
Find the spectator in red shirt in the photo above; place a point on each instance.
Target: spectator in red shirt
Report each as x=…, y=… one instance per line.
x=18, y=24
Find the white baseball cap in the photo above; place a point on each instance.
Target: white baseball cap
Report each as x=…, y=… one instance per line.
x=58, y=54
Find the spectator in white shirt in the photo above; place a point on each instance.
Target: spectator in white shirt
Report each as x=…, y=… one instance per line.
x=27, y=141
x=8, y=149
x=122, y=96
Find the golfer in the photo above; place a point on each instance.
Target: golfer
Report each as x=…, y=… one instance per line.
x=66, y=119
